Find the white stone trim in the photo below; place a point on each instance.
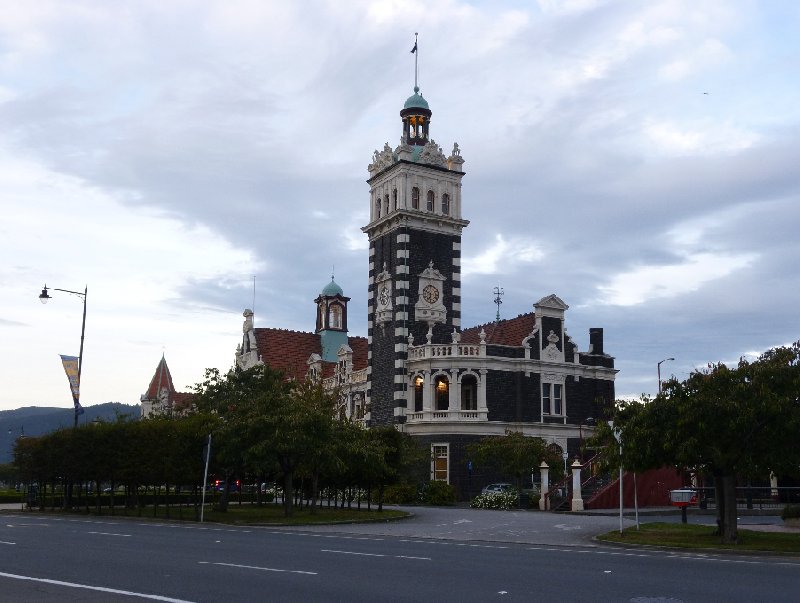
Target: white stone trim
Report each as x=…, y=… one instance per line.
x=401, y=269
x=403, y=238
x=402, y=253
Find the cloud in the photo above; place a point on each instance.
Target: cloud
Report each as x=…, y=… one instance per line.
x=503, y=257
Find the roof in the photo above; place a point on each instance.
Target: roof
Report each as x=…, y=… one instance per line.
x=332, y=289
x=503, y=332
x=415, y=101
x=162, y=379
x=288, y=351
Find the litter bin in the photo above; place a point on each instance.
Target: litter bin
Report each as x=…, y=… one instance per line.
x=683, y=498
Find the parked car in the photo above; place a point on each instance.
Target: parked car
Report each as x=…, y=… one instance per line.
x=497, y=488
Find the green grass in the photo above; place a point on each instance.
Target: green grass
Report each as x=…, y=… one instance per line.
x=688, y=536
x=247, y=514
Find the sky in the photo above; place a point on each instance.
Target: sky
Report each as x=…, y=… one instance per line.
x=641, y=160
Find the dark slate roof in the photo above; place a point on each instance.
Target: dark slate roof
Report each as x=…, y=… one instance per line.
x=288, y=351
x=504, y=332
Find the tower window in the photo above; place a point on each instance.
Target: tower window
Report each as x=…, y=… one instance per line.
x=378, y=207
x=415, y=198
x=431, y=199
x=446, y=204
x=386, y=206
x=394, y=199
x=335, y=317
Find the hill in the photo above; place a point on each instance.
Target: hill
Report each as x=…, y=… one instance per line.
x=39, y=420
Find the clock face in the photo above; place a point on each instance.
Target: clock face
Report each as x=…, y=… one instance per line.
x=383, y=297
x=430, y=294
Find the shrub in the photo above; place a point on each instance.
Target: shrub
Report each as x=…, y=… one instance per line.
x=496, y=500
x=399, y=494
x=791, y=512
x=438, y=493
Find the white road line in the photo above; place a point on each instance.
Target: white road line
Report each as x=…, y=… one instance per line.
x=253, y=567
x=109, y=534
x=101, y=589
x=4, y=542
x=375, y=555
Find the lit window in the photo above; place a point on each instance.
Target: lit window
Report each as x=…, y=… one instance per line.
x=442, y=393
x=415, y=198
x=431, y=199
x=439, y=470
x=419, y=382
x=446, y=204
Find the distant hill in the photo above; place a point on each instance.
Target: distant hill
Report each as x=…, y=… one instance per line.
x=39, y=420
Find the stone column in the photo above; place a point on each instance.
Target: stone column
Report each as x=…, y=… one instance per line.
x=544, y=501
x=577, y=498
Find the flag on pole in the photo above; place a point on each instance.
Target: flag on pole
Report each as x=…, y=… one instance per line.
x=413, y=50
x=71, y=366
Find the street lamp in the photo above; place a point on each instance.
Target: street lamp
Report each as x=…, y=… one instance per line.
x=659, y=372
x=618, y=437
x=44, y=297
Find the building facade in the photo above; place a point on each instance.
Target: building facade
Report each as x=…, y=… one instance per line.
x=419, y=369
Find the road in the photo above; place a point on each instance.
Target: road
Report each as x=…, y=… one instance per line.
x=440, y=555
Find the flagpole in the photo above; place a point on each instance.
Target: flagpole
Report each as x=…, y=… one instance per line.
x=416, y=61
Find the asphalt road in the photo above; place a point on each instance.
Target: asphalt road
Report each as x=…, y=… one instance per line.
x=440, y=555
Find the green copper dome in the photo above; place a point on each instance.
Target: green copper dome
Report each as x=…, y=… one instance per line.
x=332, y=289
x=415, y=101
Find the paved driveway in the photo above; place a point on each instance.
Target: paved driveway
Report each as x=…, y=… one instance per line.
x=457, y=523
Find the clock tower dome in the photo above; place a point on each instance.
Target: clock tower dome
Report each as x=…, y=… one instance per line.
x=414, y=255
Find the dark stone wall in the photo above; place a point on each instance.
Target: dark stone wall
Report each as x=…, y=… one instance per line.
x=513, y=397
x=551, y=324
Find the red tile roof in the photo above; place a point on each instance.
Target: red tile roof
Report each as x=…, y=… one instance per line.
x=162, y=379
x=504, y=332
x=288, y=351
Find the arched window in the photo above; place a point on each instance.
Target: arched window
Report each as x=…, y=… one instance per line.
x=394, y=199
x=378, y=207
x=446, y=204
x=335, y=317
x=386, y=205
x=442, y=393
x=419, y=383
x=431, y=199
x=415, y=198
x=469, y=392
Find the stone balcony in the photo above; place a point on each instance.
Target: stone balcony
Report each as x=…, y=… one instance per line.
x=439, y=350
x=441, y=416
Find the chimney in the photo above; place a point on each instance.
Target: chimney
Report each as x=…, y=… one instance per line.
x=595, y=341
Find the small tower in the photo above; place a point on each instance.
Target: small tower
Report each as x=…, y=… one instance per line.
x=331, y=320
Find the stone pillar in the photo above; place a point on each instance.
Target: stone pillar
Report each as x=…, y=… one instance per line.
x=544, y=501
x=773, y=484
x=577, y=498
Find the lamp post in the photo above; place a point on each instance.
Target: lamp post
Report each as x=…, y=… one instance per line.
x=659, y=372
x=618, y=437
x=44, y=297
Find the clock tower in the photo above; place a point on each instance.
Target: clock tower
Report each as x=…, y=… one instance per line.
x=414, y=256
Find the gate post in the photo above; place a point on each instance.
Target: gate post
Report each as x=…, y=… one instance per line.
x=577, y=498
x=544, y=499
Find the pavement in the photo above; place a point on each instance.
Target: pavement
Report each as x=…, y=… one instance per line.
x=465, y=524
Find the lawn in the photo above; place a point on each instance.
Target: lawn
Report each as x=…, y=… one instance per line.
x=687, y=536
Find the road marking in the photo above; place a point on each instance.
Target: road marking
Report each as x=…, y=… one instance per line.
x=4, y=542
x=462, y=521
x=375, y=555
x=26, y=525
x=109, y=534
x=253, y=567
x=101, y=589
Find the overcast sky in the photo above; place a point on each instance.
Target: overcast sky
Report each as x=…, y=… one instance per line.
x=641, y=160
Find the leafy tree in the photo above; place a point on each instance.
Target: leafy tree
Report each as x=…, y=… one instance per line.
x=512, y=455
x=720, y=421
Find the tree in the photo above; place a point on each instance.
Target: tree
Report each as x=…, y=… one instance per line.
x=513, y=455
x=721, y=421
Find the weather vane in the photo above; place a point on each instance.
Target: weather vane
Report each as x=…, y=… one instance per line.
x=498, y=294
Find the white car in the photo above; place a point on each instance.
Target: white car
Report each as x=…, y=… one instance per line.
x=497, y=488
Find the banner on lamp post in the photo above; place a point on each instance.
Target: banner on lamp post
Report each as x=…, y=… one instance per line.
x=71, y=368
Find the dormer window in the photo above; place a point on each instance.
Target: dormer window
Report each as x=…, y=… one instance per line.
x=415, y=198
x=431, y=199
x=446, y=204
